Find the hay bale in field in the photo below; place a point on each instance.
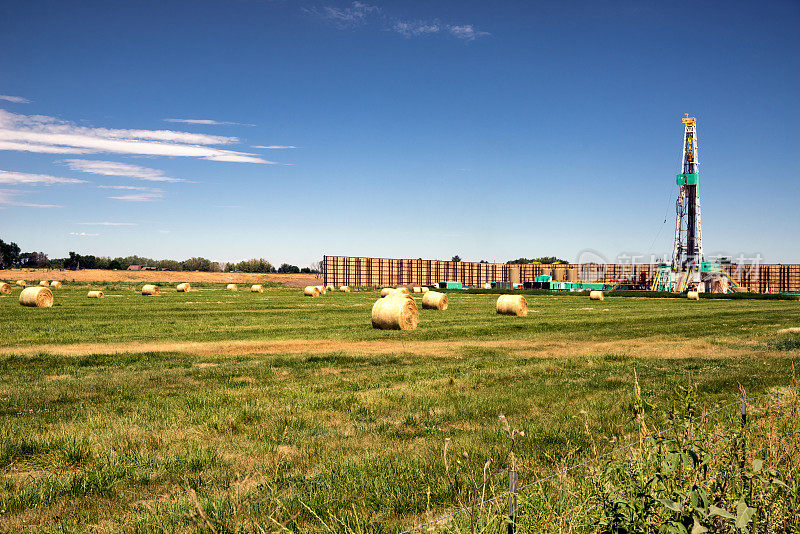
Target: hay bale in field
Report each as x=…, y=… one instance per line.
x=232, y=287
x=95, y=295
x=487, y=285
x=37, y=297
x=425, y=289
x=596, y=295
x=21, y=283
x=385, y=291
x=403, y=290
x=256, y=288
x=44, y=283
x=311, y=291
x=400, y=292
x=5, y=289
x=321, y=290
x=395, y=313
x=512, y=305
x=56, y=284
x=184, y=288
x=433, y=300
x=416, y=289
x=693, y=295
x=150, y=290
x=344, y=289
x=330, y=287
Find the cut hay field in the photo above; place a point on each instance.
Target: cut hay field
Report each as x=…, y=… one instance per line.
x=218, y=411
x=33, y=276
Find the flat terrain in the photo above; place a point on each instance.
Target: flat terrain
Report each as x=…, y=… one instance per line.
x=221, y=411
x=33, y=276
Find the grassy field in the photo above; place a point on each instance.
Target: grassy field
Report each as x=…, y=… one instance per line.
x=219, y=411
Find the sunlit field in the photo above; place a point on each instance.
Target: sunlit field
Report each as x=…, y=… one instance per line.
x=229, y=411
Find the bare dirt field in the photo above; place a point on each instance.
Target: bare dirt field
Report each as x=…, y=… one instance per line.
x=101, y=275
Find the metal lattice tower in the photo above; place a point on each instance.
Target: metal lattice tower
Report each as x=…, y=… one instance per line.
x=688, y=251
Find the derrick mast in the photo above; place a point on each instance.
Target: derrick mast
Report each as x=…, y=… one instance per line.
x=688, y=251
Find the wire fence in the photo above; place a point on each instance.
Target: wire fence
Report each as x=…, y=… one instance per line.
x=740, y=402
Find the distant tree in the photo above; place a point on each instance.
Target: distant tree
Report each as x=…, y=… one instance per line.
x=9, y=254
x=543, y=259
x=255, y=265
x=483, y=261
x=200, y=264
x=316, y=267
x=34, y=260
x=169, y=265
x=285, y=268
x=456, y=258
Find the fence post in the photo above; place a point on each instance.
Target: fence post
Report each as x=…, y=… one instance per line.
x=743, y=442
x=512, y=501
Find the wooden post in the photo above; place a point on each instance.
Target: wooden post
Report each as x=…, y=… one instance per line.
x=743, y=442
x=512, y=501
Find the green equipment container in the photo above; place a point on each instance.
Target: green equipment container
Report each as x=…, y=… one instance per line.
x=544, y=278
x=450, y=285
x=686, y=179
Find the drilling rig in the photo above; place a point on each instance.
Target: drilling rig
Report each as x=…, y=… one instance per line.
x=687, y=255
x=689, y=270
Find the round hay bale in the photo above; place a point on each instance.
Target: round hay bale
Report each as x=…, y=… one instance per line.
x=596, y=295
x=385, y=291
x=256, y=288
x=5, y=289
x=693, y=295
x=232, y=287
x=311, y=291
x=345, y=289
x=44, y=283
x=425, y=289
x=403, y=290
x=487, y=285
x=417, y=289
x=321, y=290
x=395, y=313
x=433, y=300
x=95, y=295
x=37, y=297
x=399, y=293
x=184, y=288
x=512, y=305
x=21, y=283
x=150, y=289
x=56, y=284
x=330, y=287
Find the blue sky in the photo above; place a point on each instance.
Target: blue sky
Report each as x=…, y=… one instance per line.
x=491, y=130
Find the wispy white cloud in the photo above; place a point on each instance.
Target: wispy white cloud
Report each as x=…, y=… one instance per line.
x=273, y=146
x=208, y=122
x=8, y=196
x=466, y=32
x=83, y=234
x=15, y=99
x=360, y=14
x=354, y=15
x=416, y=28
x=20, y=178
x=36, y=133
x=113, y=168
x=106, y=223
x=125, y=187
x=144, y=196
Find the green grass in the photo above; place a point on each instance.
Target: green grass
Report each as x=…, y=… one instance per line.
x=335, y=434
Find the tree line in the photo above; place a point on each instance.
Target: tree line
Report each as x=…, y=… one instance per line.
x=11, y=255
